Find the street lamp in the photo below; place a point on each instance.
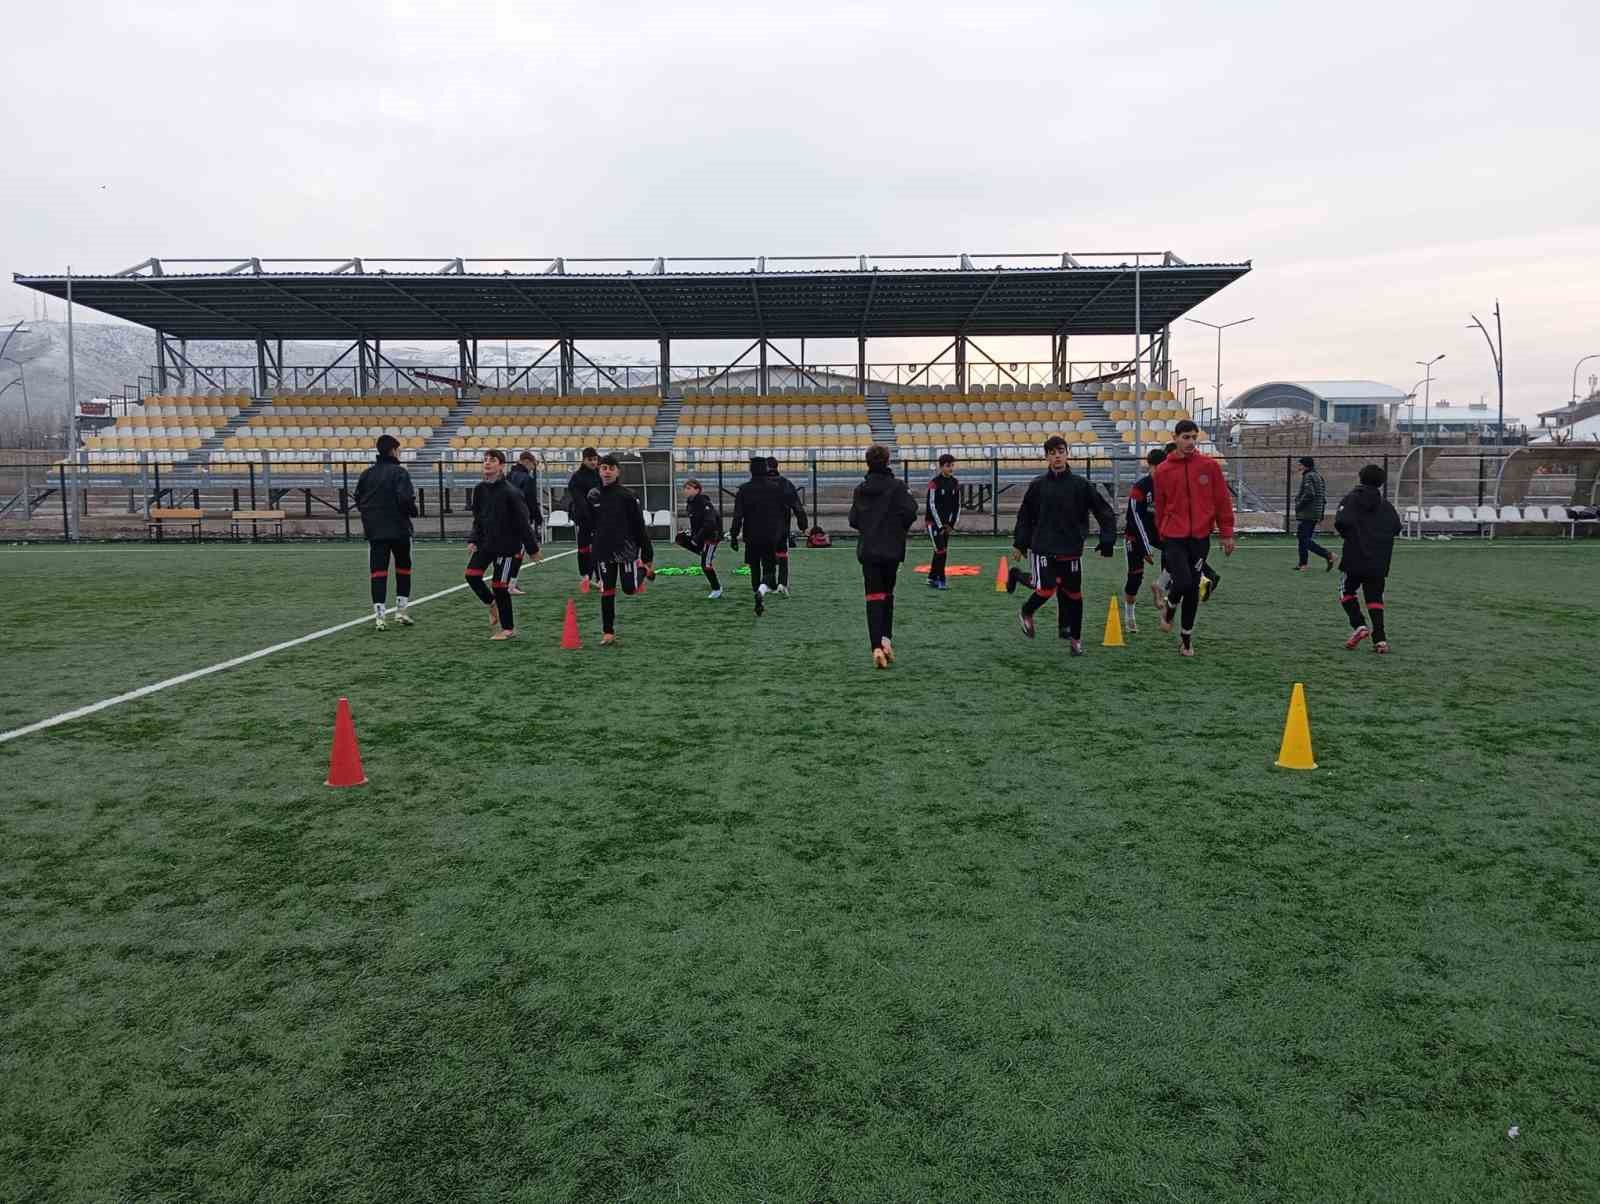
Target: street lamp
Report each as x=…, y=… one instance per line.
x=1427, y=389
x=17, y=329
x=1575, y=367
x=1217, y=411
x=1499, y=354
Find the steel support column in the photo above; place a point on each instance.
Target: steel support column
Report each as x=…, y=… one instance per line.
x=161, y=362
x=961, y=363
x=567, y=357
x=1058, y=361
x=861, y=366
x=762, y=385
x=461, y=364
x=664, y=357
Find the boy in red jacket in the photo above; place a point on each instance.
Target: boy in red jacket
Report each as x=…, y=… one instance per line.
x=1191, y=499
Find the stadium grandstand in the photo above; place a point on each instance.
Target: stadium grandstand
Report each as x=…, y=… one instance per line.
x=299, y=427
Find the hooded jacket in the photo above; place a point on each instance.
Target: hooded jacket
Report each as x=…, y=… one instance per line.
x=500, y=523
x=1369, y=524
x=1053, y=519
x=760, y=510
x=386, y=500
x=1141, y=526
x=705, y=524
x=1311, y=499
x=578, y=487
x=791, y=500
x=882, y=510
x=527, y=482
x=620, y=536
x=1191, y=498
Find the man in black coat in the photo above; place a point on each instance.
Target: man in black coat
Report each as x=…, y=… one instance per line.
x=388, y=503
x=762, y=515
x=1051, y=524
x=791, y=499
x=1369, y=524
x=500, y=529
x=579, y=486
x=1310, y=504
x=623, y=553
x=882, y=510
x=524, y=474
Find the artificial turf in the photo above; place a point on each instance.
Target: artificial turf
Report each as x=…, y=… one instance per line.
x=725, y=914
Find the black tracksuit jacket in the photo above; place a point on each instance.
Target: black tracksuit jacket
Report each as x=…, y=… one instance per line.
x=578, y=486
x=760, y=511
x=943, y=506
x=705, y=524
x=500, y=524
x=1369, y=525
x=527, y=483
x=386, y=500
x=620, y=536
x=1141, y=526
x=1054, y=518
x=882, y=510
x=791, y=499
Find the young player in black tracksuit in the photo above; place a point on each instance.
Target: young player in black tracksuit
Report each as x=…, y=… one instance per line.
x=762, y=514
x=524, y=474
x=623, y=553
x=941, y=512
x=1051, y=524
x=1142, y=541
x=579, y=486
x=882, y=510
x=387, y=502
x=500, y=529
x=1369, y=525
x=704, y=533
x=791, y=499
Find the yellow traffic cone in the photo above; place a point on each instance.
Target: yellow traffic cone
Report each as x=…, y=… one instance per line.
x=1002, y=576
x=1295, y=751
x=1113, y=636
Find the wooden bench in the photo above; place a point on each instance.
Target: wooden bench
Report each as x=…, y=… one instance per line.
x=254, y=519
x=160, y=517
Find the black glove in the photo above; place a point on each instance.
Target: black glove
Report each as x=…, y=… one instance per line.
x=1106, y=549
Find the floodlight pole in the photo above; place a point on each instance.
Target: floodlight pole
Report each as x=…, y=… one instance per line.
x=1498, y=352
x=1427, y=389
x=1216, y=412
x=1575, y=367
x=72, y=411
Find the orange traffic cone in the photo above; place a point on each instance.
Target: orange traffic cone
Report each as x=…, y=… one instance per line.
x=1002, y=576
x=344, y=766
x=569, y=629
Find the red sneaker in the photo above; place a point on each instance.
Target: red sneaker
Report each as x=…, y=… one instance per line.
x=1356, y=636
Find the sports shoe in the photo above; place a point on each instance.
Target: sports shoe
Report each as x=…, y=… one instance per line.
x=879, y=660
x=505, y=633
x=1166, y=618
x=1075, y=647
x=1027, y=624
x=1012, y=578
x=716, y=593
x=404, y=619
x=1130, y=624
x=1160, y=598
x=608, y=640
x=933, y=583
x=1300, y=568
x=1356, y=636
x=784, y=590
x=888, y=649
x=1209, y=586
x=1381, y=647
x=516, y=590
x=583, y=585
x=943, y=584
x=1185, y=649
x=761, y=606
x=379, y=625
x=1329, y=569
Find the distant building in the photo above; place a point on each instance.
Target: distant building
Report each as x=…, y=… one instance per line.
x=1360, y=405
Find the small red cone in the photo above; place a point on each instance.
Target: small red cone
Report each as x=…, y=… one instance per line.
x=344, y=767
x=569, y=629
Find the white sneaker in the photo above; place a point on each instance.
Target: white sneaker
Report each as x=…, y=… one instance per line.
x=716, y=593
x=378, y=624
x=762, y=589
x=784, y=590
x=403, y=619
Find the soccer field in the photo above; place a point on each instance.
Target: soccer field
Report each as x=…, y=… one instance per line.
x=725, y=914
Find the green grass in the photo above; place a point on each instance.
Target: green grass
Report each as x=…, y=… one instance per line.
x=724, y=914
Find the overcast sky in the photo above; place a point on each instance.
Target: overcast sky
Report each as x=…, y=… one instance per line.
x=1388, y=167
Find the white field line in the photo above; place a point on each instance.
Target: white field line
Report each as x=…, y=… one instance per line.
x=196, y=674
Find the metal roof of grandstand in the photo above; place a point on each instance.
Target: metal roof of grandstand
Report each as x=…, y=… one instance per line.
x=395, y=299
